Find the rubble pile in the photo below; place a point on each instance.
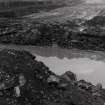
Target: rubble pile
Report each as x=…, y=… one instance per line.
x=26, y=81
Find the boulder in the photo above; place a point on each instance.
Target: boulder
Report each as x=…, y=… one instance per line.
x=53, y=78
x=69, y=76
x=82, y=84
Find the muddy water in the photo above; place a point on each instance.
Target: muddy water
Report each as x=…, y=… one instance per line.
x=87, y=65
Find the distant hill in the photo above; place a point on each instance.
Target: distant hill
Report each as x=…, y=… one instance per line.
x=77, y=11
x=17, y=8
x=26, y=7
x=54, y=1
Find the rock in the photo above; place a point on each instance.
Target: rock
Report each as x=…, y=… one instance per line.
x=53, y=78
x=69, y=76
x=63, y=86
x=17, y=91
x=22, y=80
x=99, y=86
x=7, y=80
x=85, y=85
x=96, y=90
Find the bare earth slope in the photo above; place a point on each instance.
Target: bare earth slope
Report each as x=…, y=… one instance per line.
x=81, y=11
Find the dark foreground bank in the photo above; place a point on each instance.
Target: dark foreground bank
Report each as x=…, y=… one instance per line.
x=25, y=81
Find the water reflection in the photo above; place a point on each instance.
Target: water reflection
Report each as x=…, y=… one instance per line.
x=85, y=68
